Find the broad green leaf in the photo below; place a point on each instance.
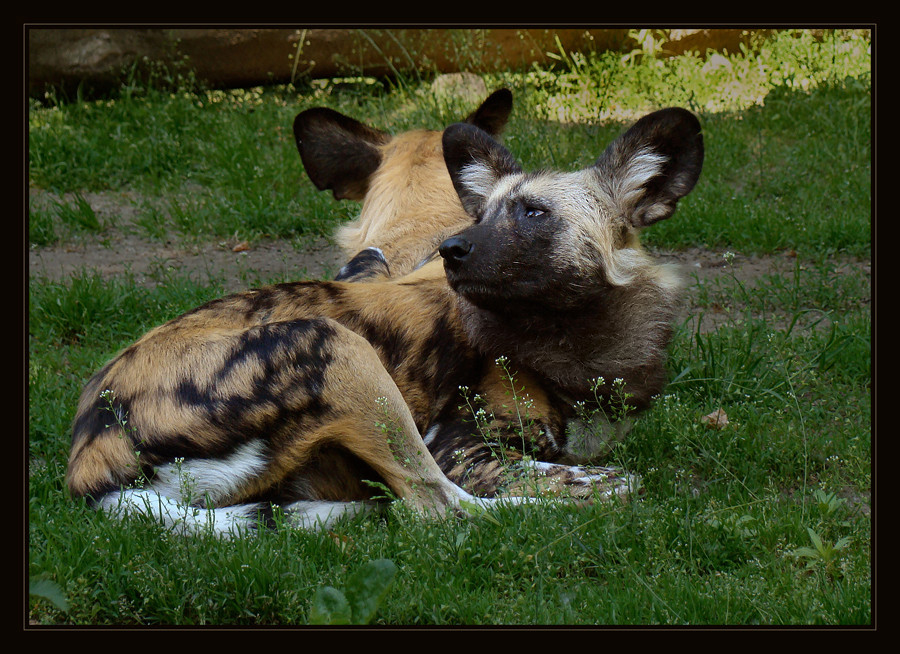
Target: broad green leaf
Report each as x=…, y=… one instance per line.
x=366, y=588
x=329, y=606
x=49, y=591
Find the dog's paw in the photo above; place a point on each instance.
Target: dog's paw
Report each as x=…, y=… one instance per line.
x=537, y=478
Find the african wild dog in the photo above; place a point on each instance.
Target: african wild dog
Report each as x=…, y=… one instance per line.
x=297, y=394
x=409, y=205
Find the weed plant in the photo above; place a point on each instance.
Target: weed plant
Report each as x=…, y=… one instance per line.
x=764, y=521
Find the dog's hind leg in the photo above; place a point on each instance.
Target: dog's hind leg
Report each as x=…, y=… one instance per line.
x=367, y=434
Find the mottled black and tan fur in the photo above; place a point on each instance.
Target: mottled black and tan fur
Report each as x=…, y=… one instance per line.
x=298, y=394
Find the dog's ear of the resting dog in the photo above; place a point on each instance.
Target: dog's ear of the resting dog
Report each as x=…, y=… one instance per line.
x=340, y=153
x=640, y=176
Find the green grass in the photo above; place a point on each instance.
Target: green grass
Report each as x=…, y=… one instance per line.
x=787, y=128
x=763, y=522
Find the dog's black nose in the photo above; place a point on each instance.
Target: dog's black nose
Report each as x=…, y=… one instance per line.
x=455, y=249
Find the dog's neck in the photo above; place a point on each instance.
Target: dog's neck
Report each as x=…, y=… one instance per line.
x=621, y=333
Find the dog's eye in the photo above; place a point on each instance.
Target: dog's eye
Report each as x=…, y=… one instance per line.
x=533, y=212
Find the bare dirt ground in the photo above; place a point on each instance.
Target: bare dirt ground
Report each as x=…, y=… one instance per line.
x=117, y=253
x=122, y=249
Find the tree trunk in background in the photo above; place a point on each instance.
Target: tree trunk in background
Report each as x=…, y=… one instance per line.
x=100, y=59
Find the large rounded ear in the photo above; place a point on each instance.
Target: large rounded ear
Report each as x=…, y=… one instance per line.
x=493, y=113
x=653, y=165
x=339, y=153
x=476, y=162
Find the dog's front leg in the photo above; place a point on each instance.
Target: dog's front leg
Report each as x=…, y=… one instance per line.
x=492, y=468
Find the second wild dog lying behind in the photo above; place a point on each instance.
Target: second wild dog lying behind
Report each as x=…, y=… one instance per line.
x=408, y=203
x=302, y=394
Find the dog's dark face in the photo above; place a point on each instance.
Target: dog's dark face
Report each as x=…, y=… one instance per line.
x=520, y=250
x=558, y=239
